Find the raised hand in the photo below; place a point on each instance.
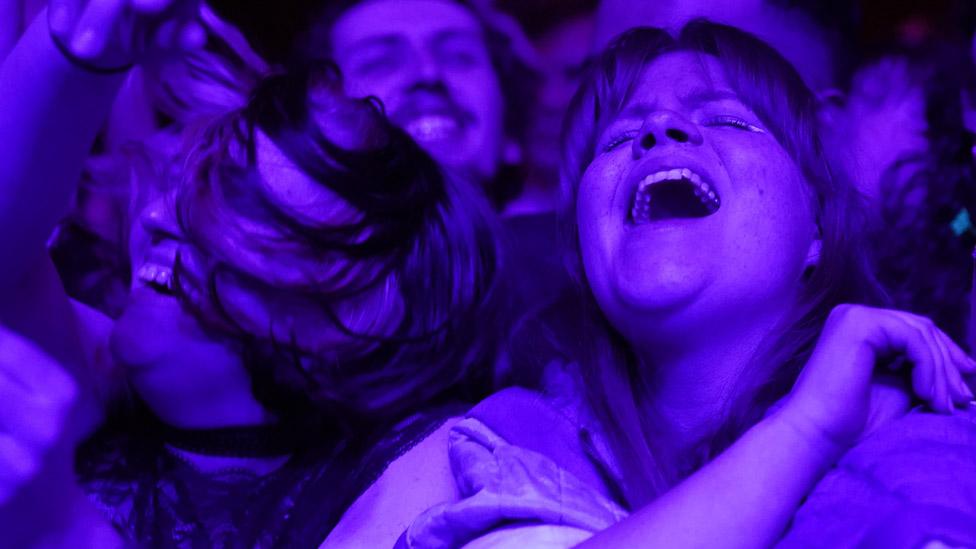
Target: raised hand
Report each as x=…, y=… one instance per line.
x=110, y=34
x=36, y=394
x=832, y=396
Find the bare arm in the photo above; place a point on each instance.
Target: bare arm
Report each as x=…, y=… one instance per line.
x=51, y=108
x=744, y=498
x=50, y=112
x=747, y=495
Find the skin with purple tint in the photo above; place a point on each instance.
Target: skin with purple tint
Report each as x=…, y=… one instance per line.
x=427, y=62
x=694, y=284
x=658, y=279
x=190, y=373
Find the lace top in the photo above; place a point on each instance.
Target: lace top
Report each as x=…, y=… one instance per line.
x=157, y=499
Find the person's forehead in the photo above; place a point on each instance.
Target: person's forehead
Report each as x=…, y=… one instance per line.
x=686, y=76
x=376, y=20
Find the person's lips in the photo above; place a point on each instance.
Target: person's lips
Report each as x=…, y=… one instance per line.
x=431, y=118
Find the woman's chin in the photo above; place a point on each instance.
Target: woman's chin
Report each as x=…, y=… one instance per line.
x=134, y=345
x=149, y=329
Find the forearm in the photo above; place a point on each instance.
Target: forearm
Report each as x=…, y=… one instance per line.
x=744, y=498
x=50, y=113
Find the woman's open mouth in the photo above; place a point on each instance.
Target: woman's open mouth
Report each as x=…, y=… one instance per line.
x=678, y=193
x=156, y=277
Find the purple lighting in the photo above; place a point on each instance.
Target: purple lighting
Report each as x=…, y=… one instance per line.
x=471, y=273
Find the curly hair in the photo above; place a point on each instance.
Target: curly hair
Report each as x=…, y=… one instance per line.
x=923, y=261
x=372, y=297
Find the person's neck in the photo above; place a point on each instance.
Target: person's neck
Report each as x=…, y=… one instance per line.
x=697, y=377
x=185, y=396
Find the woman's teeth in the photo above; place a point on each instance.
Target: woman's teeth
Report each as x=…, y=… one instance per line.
x=706, y=201
x=157, y=276
x=433, y=127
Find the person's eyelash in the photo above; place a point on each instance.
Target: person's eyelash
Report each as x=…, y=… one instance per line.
x=619, y=140
x=733, y=122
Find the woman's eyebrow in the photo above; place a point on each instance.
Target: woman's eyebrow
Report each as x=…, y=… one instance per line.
x=693, y=99
x=702, y=96
x=636, y=111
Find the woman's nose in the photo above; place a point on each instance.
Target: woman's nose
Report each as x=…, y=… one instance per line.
x=158, y=219
x=666, y=126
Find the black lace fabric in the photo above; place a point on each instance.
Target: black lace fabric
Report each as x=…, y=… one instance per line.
x=157, y=499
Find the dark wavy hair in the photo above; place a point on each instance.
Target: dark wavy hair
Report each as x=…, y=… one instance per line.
x=517, y=78
x=925, y=263
x=372, y=299
x=615, y=378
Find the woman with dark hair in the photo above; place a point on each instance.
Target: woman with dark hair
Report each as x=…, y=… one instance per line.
x=309, y=297
x=919, y=180
x=719, y=258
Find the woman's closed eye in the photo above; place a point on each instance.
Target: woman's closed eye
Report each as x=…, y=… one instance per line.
x=735, y=122
x=619, y=139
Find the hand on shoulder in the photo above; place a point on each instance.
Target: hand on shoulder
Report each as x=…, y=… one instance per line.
x=416, y=481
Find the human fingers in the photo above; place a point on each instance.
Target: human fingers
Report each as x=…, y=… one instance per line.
x=192, y=36
x=942, y=398
x=17, y=466
x=929, y=377
x=35, y=392
x=25, y=364
x=36, y=419
x=180, y=33
x=945, y=379
x=62, y=15
x=151, y=7
x=961, y=363
x=95, y=27
x=909, y=337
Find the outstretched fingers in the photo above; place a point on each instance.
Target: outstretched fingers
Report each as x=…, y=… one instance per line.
x=938, y=368
x=36, y=395
x=90, y=38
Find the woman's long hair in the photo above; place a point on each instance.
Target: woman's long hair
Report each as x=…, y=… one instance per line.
x=373, y=297
x=615, y=378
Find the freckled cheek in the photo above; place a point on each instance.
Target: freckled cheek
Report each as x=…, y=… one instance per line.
x=773, y=208
x=596, y=199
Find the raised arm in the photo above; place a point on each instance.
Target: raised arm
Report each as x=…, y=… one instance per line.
x=51, y=108
x=747, y=495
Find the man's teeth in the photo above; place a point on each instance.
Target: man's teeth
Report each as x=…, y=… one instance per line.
x=432, y=127
x=641, y=210
x=157, y=275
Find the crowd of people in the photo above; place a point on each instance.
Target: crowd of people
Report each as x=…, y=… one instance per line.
x=487, y=273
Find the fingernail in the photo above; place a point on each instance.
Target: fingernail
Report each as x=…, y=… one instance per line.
x=83, y=41
x=193, y=38
x=58, y=19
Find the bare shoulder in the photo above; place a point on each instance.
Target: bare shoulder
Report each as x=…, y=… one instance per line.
x=418, y=480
